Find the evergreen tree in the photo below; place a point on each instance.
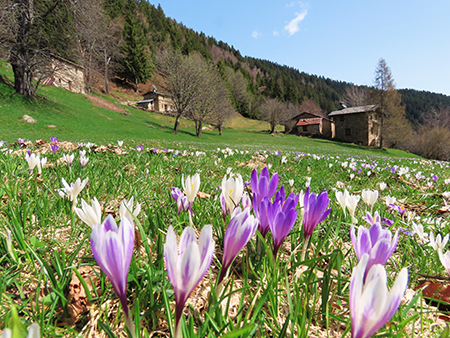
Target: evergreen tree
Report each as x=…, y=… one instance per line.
x=137, y=66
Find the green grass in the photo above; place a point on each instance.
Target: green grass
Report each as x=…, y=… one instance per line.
x=76, y=119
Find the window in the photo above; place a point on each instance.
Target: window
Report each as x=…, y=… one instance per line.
x=152, y=105
x=348, y=131
x=305, y=128
x=165, y=107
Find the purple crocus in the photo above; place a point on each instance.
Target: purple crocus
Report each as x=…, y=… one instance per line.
x=261, y=212
x=53, y=139
x=435, y=177
x=282, y=217
x=239, y=231
x=112, y=247
x=180, y=197
x=315, y=210
x=371, y=305
x=376, y=218
x=263, y=186
x=376, y=242
x=54, y=148
x=186, y=264
x=140, y=148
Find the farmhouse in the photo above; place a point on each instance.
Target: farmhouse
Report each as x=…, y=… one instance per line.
x=66, y=74
x=157, y=102
x=360, y=125
x=310, y=124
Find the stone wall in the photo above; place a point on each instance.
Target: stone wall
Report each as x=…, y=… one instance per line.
x=352, y=128
x=68, y=76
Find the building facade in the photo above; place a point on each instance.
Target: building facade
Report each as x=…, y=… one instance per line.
x=360, y=125
x=157, y=102
x=309, y=124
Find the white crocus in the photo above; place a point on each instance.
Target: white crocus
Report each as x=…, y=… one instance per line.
x=390, y=200
x=371, y=304
x=232, y=189
x=445, y=260
x=42, y=164
x=90, y=214
x=68, y=158
x=438, y=242
x=127, y=206
x=382, y=186
x=352, y=202
x=291, y=183
x=33, y=332
x=72, y=191
x=83, y=160
x=342, y=198
x=190, y=186
x=369, y=197
x=32, y=160
x=418, y=229
x=120, y=143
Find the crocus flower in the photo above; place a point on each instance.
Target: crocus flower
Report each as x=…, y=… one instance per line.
x=439, y=242
x=246, y=201
x=263, y=186
x=83, y=160
x=371, y=305
x=261, y=212
x=112, y=247
x=68, y=158
x=383, y=186
x=375, y=241
x=139, y=148
x=232, y=190
x=53, y=139
x=32, y=161
x=54, y=148
x=418, y=229
x=316, y=211
x=342, y=198
x=369, y=197
x=90, y=215
x=352, y=203
x=33, y=332
x=73, y=190
x=190, y=187
x=42, y=164
x=127, y=206
x=372, y=219
x=186, y=264
x=390, y=200
x=239, y=231
x=282, y=217
x=120, y=143
x=180, y=197
x=445, y=259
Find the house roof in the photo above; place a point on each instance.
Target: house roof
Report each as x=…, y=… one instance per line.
x=308, y=122
x=157, y=93
x=354, y=110
x=299, y=116
x=146, y=101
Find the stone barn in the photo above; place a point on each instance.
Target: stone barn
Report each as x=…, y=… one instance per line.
x=360, y=125
x=157, y=102
x=310, y=124
x=65, y=74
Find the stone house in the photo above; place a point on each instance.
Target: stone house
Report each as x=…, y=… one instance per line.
x=359, y=125
x=310, y=124
x=67, y=75
x=157, y=102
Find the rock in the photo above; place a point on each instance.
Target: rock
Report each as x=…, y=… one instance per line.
x=29, y=119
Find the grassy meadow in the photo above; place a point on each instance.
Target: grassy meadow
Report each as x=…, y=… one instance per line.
x=49, y=276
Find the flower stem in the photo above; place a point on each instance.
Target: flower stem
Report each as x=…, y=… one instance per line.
x=129, y=323
x=305, y=246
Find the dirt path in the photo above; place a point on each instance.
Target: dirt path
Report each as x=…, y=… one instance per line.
x=98, y=101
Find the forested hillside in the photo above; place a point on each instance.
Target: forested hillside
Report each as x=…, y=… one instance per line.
x=118, y=39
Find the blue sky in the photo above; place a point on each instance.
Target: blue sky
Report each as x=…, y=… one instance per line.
x=342, y=40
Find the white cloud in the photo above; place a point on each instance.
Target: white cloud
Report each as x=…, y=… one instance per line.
x=275, y=33
x=292, y=27
x=256, y=34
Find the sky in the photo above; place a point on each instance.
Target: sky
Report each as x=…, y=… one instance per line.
x=338, y=39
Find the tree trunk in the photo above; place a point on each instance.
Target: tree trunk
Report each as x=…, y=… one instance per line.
x=272, y=129
x=199, y=129
x=136, y=83
x=220, y=130
x=106, y=73
x=22, y=79
x=177, y=124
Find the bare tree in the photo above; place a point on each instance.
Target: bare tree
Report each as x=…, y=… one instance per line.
x=182, y=80
x=36, y=31
x=238, y=89
x=292, y=110
x=395, y=128
x=274, y=112
x=356, y=96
